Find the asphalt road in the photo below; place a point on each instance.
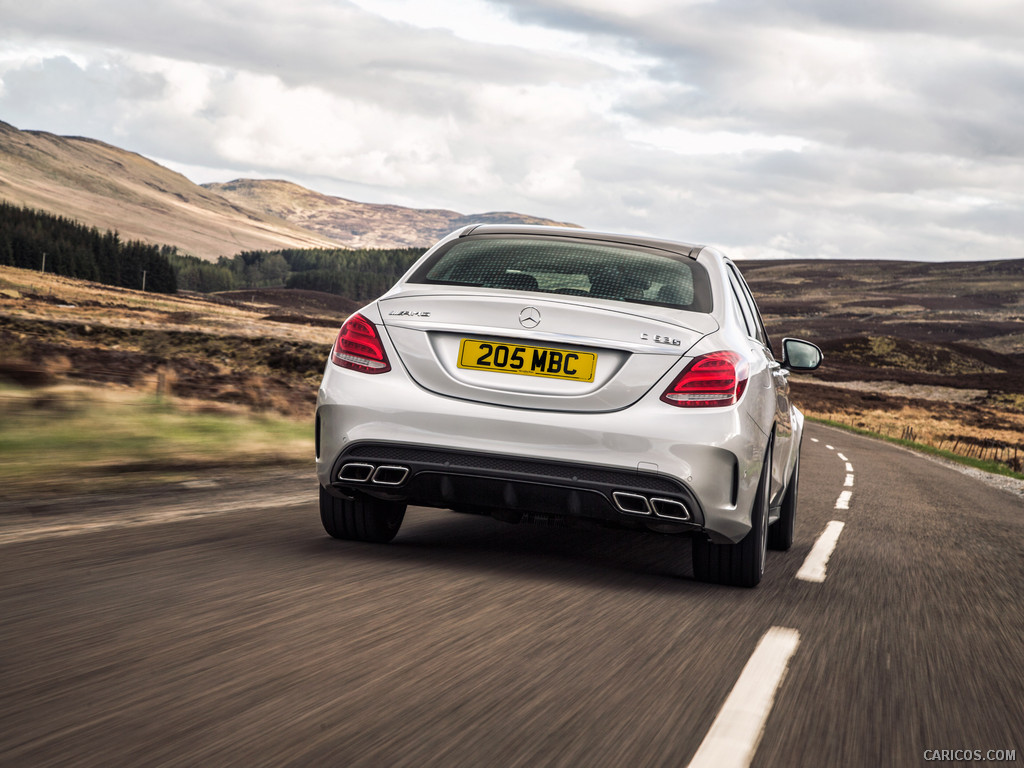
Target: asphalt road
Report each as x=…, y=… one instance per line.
x=223, y=627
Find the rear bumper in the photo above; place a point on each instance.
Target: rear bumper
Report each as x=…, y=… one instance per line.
x=514, y=486
x=481, y=456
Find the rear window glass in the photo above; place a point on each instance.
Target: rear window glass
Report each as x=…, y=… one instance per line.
x=573, y=268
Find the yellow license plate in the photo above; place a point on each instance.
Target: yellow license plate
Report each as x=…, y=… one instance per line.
x=527, y=360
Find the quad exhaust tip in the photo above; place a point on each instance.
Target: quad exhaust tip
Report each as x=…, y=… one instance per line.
x=356, y=473
x=636, y=504
x=386, y=474
x=631, y=503
x=670, y=509
x=390, y=475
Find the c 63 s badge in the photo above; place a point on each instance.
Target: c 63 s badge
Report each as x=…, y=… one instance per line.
x=658, y=339
x=407, y=313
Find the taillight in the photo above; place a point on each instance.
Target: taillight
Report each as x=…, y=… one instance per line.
x=715, y=379
x=359, y=347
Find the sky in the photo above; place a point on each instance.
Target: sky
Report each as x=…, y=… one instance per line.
x=889, y=129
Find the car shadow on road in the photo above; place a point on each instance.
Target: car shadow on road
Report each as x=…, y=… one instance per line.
x=443, y=539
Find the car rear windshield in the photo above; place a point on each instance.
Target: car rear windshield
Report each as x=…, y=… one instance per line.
x=571, y=267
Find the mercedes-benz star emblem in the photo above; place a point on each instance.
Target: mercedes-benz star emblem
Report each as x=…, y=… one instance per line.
x=529, y=317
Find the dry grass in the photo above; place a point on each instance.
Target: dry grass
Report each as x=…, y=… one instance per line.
x=33, y=295
x=976, y=430
x=55, y=329
x=94, y=438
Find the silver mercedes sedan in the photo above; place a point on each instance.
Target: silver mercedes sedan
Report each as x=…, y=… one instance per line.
x=542, y=374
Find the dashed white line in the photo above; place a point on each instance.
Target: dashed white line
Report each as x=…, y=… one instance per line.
x=813, y=568
x=733, y=738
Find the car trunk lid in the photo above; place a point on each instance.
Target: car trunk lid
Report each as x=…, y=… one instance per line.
x=533, y=351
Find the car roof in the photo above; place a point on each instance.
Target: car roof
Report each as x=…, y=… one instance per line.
x=684, y=249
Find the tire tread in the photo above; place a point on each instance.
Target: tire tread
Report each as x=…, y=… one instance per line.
x=360, y=520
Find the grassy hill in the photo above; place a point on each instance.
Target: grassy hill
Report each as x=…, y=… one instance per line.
x=109, y=188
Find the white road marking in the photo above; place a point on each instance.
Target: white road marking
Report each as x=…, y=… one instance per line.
x=733, y=738
x=815, y=440
x=813, y=568
x=843, y=502
x=829, y=447
x=843, y=458
x=849, y=467
x=849, y=481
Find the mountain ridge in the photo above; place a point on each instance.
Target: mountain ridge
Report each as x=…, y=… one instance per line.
x=359, y=225
x=110, y=188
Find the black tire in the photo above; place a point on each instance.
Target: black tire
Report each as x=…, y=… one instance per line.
x=780, y=533
x=740, y=564
x=363, y=520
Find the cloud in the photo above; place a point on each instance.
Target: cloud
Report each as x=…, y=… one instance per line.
x=785, y=128
x=58, y=92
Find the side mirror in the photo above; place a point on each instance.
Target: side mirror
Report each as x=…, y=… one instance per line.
x=798, y=355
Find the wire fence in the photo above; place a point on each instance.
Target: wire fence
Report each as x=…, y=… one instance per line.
x=998, y=451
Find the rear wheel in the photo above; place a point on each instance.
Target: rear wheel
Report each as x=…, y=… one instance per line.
x=740, y=564
x=360, y=520
x=780, y=533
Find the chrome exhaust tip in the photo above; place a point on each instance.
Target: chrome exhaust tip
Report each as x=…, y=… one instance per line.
x=631, y=503
x=355, y=472
x=670, y=509
x=390, y=475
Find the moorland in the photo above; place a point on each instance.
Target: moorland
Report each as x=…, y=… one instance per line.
x=929, y=353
